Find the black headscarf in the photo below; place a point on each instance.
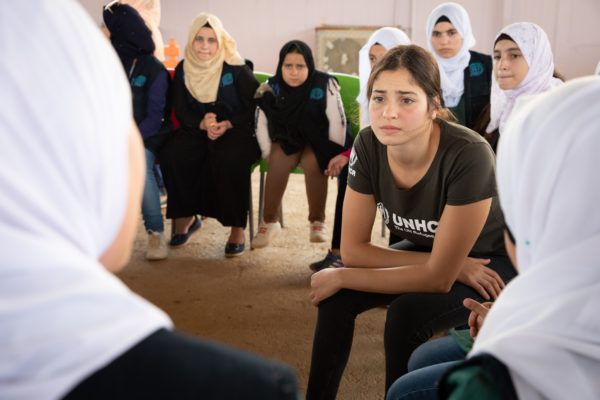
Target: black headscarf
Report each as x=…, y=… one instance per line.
x=286, y=110
x=295, y=119
x=129, y=34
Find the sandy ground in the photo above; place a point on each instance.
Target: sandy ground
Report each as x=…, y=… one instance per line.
x=259, y=301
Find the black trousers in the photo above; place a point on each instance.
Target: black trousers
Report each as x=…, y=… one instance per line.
x=209, y=177
x=336, y=237
x=170, y=365
x=412, y=319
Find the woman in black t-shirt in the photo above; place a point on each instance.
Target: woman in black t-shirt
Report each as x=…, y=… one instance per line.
x=433, y=181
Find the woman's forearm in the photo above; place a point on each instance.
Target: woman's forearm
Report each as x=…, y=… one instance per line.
x=405, y=279
x=368, y=255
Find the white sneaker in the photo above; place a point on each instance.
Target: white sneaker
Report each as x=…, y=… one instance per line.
x=266, y=233
x=318, y=232
x=157, y=246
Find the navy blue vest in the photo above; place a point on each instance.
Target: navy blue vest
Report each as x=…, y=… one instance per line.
x=228, y=101
x=145, y=72
x=315, y=125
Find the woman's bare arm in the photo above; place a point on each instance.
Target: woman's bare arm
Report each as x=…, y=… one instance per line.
x=357, y=250
x=397, y=271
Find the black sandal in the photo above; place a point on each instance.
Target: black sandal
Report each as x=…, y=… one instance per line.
x=179, y=239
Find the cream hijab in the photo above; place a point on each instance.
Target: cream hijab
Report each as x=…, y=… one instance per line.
x=202, y=77
x=452, y=69
x=387, y=37
x=150, y=12
x=535, y=47
x=545, y=325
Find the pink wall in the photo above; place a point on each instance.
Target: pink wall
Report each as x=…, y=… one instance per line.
x=262, y=26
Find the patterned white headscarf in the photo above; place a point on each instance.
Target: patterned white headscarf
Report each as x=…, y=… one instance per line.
x=535, y=47
x=452, y=69
x=387, y=37
x=545, y=325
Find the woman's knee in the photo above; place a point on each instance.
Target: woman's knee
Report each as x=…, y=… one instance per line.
x=309, y=163
x=278, y=157
x=405, y=321
x=434, y=352
x=345, y=303
x=334, y=305
x=419, y=384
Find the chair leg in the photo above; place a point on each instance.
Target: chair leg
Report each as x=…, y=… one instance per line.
x=251, y=217
x=261, y=197
x=281, y=214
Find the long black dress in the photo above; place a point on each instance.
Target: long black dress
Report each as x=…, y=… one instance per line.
x=212, y=177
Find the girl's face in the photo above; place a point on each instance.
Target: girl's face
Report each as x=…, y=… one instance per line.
x=510, y=67
x=375, y=53
x=446, y=40
x=205, y=44
x=294, y=70
x=398, y=108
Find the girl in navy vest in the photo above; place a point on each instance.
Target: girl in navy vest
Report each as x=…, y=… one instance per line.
x=149, y=82
x=207, y=163
x=307, y=126
x=465, y=74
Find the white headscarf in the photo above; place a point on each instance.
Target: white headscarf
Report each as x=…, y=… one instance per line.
x=545, y=325
x=452, y=69
x=63, y=190
x=387, y=37
x=202, y=78
x=535, y=47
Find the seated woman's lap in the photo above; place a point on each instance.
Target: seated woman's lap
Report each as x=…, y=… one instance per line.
x=180, y=160
x=412, y=318
x=308, y=162
x=280, y=161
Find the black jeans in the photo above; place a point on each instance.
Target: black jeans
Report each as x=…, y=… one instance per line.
x=170, y=365
x=412, y=319
x=336, y=238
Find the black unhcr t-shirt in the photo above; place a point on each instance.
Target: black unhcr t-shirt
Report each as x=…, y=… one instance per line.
x=462, y=172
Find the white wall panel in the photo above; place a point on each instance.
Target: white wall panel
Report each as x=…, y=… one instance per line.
x=262, y=26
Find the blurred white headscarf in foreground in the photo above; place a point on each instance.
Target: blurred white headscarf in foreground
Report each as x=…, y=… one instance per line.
x=545, y=325
x=64, y=190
